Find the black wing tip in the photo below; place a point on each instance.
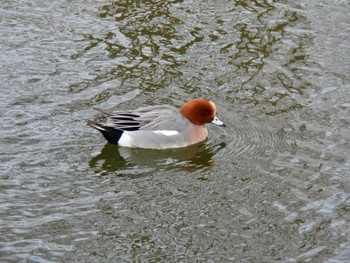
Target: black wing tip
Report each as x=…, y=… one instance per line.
x=111, y=134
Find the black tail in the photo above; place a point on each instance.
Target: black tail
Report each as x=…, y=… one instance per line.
x=112, y=135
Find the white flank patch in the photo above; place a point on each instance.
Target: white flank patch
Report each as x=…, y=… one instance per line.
x=167, y=132
x=129, y=140
x=126, y=140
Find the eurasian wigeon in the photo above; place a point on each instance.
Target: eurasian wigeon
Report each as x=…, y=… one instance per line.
x=159, y=127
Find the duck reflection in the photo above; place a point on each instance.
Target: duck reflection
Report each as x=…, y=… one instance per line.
x=192, y=158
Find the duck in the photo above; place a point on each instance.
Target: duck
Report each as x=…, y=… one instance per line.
x=159, y=126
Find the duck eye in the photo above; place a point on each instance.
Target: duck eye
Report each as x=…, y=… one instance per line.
x=207, y=112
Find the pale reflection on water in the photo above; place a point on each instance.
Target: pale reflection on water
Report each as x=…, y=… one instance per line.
x=273, y=186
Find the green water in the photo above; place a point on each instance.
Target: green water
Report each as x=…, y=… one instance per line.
x=273, y=186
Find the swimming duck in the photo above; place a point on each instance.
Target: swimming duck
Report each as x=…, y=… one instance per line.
x=159, y=127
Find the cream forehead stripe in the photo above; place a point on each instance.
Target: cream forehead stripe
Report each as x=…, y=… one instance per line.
x=213, y=105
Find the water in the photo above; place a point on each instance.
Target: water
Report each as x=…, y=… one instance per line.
x=273, y=186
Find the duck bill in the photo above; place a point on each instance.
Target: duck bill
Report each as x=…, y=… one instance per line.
x=216, y=121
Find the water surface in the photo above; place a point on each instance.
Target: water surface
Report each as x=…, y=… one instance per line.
x=273, y=186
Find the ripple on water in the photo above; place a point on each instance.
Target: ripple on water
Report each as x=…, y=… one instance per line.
x=252, y=140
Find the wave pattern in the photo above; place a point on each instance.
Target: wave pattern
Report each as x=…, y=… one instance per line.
x=251, y=140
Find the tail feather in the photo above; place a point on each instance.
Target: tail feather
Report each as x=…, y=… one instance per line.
x=105, y=112
x=111, y=134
